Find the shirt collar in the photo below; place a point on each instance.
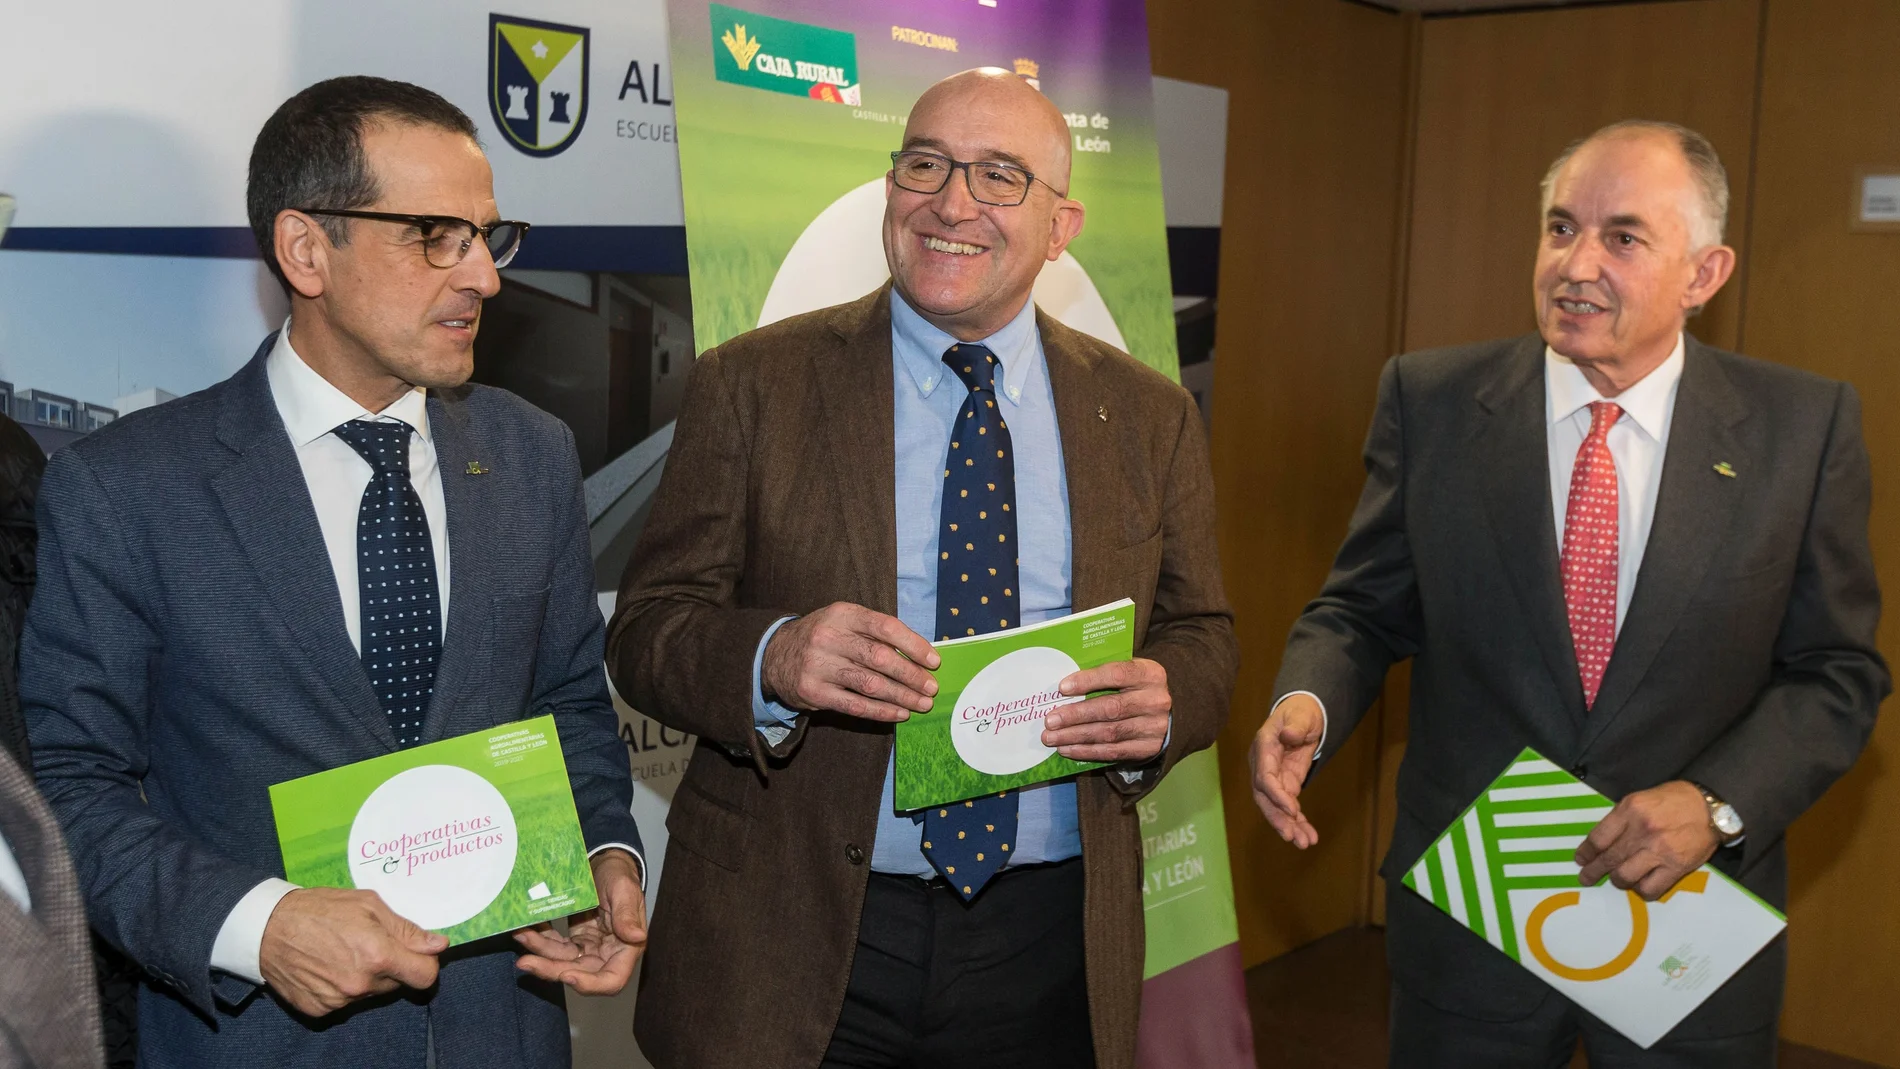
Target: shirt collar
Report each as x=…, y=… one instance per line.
x=920, y=345
x=312, y=407
x=1648, y=402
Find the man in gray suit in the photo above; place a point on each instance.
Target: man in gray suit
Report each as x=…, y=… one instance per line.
x=340, y=551
x=1644, y=557
x=49, y=1011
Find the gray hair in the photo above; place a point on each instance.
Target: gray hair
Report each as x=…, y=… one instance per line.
x=1706, y=228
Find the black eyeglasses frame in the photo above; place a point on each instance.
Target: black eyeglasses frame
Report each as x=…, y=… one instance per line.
x=969, y=182
x=426, y=223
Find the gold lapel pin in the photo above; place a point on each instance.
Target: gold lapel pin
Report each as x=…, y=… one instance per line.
x=1101, y=413
x=1722, y=468
x=475, y=468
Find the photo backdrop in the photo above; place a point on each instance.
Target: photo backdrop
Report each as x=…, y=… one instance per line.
x=130, y=278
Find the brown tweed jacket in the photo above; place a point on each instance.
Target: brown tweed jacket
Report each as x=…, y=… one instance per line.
x=776, y=499
x=49, y=1012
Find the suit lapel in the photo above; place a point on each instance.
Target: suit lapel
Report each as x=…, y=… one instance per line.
x=1694, y=508
x=468, y=501
x=855, y=381
x=268, y=505
x=1516, y=480
x=1088, y=451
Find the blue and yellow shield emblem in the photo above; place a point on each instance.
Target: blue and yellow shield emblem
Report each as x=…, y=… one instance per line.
x=537, y=82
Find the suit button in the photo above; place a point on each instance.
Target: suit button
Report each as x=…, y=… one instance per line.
x=1580, y=771
x=853, y=854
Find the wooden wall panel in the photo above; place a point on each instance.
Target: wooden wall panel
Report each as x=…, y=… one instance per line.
x=1316, y=145
x=1501, y=95
x=1821, y=297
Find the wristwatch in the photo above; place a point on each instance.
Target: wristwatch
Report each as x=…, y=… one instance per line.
x=1722, y=817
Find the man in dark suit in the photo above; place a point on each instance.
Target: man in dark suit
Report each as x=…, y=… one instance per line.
x=49, y=1010
x=936, y=458
x=340, y=551
x=1701, y=647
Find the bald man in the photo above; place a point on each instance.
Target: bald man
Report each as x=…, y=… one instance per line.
x=1641, y=556
x=826, y=513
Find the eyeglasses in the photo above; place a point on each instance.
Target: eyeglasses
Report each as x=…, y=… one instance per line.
x=446, y=239
x=1001, y=185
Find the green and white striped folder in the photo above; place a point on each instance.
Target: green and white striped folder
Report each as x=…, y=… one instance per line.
x=1505, y=870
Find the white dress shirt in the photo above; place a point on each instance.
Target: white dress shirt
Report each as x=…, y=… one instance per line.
x=12, y=880
x=337, y=475
x=1637, y=443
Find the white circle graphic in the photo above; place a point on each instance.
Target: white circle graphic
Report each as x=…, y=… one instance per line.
x=997, y=728
x=437, y=842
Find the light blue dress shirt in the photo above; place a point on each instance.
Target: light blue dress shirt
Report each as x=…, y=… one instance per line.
x=927, y=400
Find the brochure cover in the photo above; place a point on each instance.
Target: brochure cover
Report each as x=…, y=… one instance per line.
x=469, y=837
x=984, y=732
x=1504, y=870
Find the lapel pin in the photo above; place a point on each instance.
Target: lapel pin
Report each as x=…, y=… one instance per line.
x=1722, y=468
x=475, y=468
x=1101, y=413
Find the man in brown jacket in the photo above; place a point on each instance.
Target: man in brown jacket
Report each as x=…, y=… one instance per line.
x=830, y=499
x=49, y=1011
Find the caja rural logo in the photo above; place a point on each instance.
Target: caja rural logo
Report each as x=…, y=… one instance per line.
x=762, y=52
x=537, y=82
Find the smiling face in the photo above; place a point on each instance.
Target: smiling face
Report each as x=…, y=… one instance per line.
x=1619, y=267
x=969, y=267
x=377, y=317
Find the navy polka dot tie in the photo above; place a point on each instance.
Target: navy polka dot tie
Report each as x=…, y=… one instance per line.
x=395, y=576
x=976, y=593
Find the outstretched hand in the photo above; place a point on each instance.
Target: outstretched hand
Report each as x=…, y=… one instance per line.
x=601, y=947
x=1282, y=755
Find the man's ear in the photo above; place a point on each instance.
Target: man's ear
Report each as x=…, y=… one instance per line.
x=303, y=252
x=1714, y=265
x=1066, y=225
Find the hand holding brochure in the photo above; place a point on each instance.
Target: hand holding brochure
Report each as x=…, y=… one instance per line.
x=984, y=732
x=1504, y=870
x=469, y=837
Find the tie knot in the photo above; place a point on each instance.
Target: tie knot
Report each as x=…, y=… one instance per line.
x=1603, y=416
x=384, y=443
x=974, y=364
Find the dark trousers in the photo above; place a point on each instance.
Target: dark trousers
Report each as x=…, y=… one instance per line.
x=1426, y=1037
x=938, y=984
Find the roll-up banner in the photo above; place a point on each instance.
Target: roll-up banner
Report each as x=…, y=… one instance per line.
x=788, y=111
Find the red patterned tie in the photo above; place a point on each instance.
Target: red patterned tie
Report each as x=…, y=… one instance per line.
x=1589, y=557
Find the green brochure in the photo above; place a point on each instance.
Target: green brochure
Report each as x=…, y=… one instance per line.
x=984, y=732
x=469, y=837
x=1504, y=869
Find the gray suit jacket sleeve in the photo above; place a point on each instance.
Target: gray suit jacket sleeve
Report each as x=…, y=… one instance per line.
x=88, y=649
x=569, y=680
x=1367, y=615
x=1811, y=721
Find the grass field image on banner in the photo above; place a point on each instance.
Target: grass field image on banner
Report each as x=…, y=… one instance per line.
x=769, y=139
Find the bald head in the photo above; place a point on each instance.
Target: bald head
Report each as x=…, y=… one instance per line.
x=1632, y=246
x=965, y=234
x=1029, y=130
x=1703, y=178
